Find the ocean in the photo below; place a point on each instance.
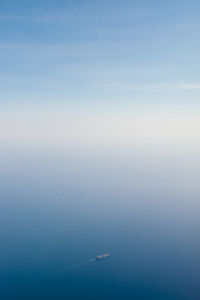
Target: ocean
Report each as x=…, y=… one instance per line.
x=58, y=211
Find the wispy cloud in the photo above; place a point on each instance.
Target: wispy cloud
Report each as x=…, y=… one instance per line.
x=190, y=86
x=20, y=18
x=45, y=18
x=153, y=86
x=66, y=15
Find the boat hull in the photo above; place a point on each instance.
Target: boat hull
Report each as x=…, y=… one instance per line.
x=101, y=257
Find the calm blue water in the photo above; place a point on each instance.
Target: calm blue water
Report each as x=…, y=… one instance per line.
x=57, y=212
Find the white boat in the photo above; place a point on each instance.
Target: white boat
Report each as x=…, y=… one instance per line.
x=101, y=257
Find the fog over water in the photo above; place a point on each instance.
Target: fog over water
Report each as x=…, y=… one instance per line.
x=66, y=200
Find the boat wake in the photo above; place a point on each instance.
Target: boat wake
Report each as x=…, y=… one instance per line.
x=63, y=270
x=80, y=264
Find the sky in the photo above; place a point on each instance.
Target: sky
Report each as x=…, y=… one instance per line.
x=99, y=70
x=99, y=141
x=99, y=125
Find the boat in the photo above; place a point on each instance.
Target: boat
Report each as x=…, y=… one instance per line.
x=101, y=257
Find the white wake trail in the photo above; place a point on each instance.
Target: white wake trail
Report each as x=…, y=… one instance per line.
x=62, y=270
x=79, y=264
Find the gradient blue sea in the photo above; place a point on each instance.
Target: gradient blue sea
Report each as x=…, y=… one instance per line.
x=59, y=210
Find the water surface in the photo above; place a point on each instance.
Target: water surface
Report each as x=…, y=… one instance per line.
x=58, y=211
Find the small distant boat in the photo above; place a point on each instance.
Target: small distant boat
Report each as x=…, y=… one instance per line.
x=101, y=257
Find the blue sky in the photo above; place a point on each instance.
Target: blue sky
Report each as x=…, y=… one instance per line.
x=100, y=74
x=112, y=53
